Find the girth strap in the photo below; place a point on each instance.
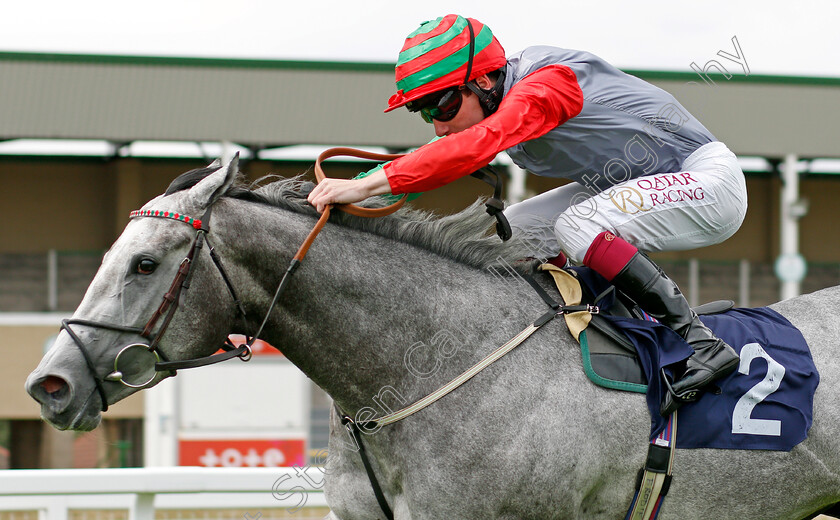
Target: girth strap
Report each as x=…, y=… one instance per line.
x=374, y=482
x=567, y=309
x=654, y=478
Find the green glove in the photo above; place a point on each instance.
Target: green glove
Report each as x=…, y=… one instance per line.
x=389, y=196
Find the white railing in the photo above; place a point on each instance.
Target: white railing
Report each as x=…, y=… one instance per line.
x=53, y=492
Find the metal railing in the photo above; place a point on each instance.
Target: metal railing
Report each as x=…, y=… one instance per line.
x=54, y=493
x=57, y=280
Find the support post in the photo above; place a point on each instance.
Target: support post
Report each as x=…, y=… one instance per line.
x=52, y=280
x=143, y=507
x=693, y=282
x=744, y=283
x=161, y=424
x=790, y=266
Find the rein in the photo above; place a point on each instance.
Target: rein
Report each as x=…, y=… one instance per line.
x=347, y=208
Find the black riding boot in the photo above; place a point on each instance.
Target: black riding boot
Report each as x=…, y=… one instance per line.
x=644, y=282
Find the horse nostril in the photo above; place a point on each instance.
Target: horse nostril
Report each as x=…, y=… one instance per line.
x=53, y=385
x=53, y=393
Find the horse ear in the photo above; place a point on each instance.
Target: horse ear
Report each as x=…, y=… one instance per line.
x=208, y=191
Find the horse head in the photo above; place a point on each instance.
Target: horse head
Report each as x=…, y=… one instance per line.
x=129, y=310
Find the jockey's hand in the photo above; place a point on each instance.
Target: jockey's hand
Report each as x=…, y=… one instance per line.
x=347, y=191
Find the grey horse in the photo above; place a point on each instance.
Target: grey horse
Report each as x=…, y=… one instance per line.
x=384, y=311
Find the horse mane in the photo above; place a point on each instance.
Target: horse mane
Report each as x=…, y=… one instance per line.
x=463, y=237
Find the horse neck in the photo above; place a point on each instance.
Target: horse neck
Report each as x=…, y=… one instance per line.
x=359, y=302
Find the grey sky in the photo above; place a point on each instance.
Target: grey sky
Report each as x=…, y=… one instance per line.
x=776, y=37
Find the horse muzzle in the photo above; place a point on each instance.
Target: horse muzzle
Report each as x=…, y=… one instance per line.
x=59, y=405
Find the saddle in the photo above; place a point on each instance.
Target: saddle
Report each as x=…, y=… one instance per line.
x=609, y=357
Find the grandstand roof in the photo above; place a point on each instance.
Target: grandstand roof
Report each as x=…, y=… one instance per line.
x=266, y=103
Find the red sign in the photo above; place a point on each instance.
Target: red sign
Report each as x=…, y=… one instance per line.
x=241, y=453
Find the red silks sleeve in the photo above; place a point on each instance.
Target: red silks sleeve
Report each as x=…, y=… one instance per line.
x=541, y=101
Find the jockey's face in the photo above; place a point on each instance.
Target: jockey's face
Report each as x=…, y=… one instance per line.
x=469, y=114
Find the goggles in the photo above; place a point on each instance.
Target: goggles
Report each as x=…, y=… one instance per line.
x=441, y=106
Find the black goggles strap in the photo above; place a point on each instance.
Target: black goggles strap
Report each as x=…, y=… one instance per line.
x=472, y=50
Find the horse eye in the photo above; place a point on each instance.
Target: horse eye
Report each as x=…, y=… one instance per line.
x=146, y=266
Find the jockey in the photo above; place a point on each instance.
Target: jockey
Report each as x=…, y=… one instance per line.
x=647, y=175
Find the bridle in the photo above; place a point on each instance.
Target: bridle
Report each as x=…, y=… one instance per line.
x=172, y=299
x=157, y=324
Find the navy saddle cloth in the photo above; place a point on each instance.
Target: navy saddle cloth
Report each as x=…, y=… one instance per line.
x=767, y=403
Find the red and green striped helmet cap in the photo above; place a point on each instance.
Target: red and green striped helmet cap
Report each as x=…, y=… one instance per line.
x=436, y=55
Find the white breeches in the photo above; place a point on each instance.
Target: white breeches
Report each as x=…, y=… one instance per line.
x=702, y=204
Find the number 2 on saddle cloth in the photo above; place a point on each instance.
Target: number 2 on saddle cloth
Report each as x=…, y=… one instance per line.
x=766, y=404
